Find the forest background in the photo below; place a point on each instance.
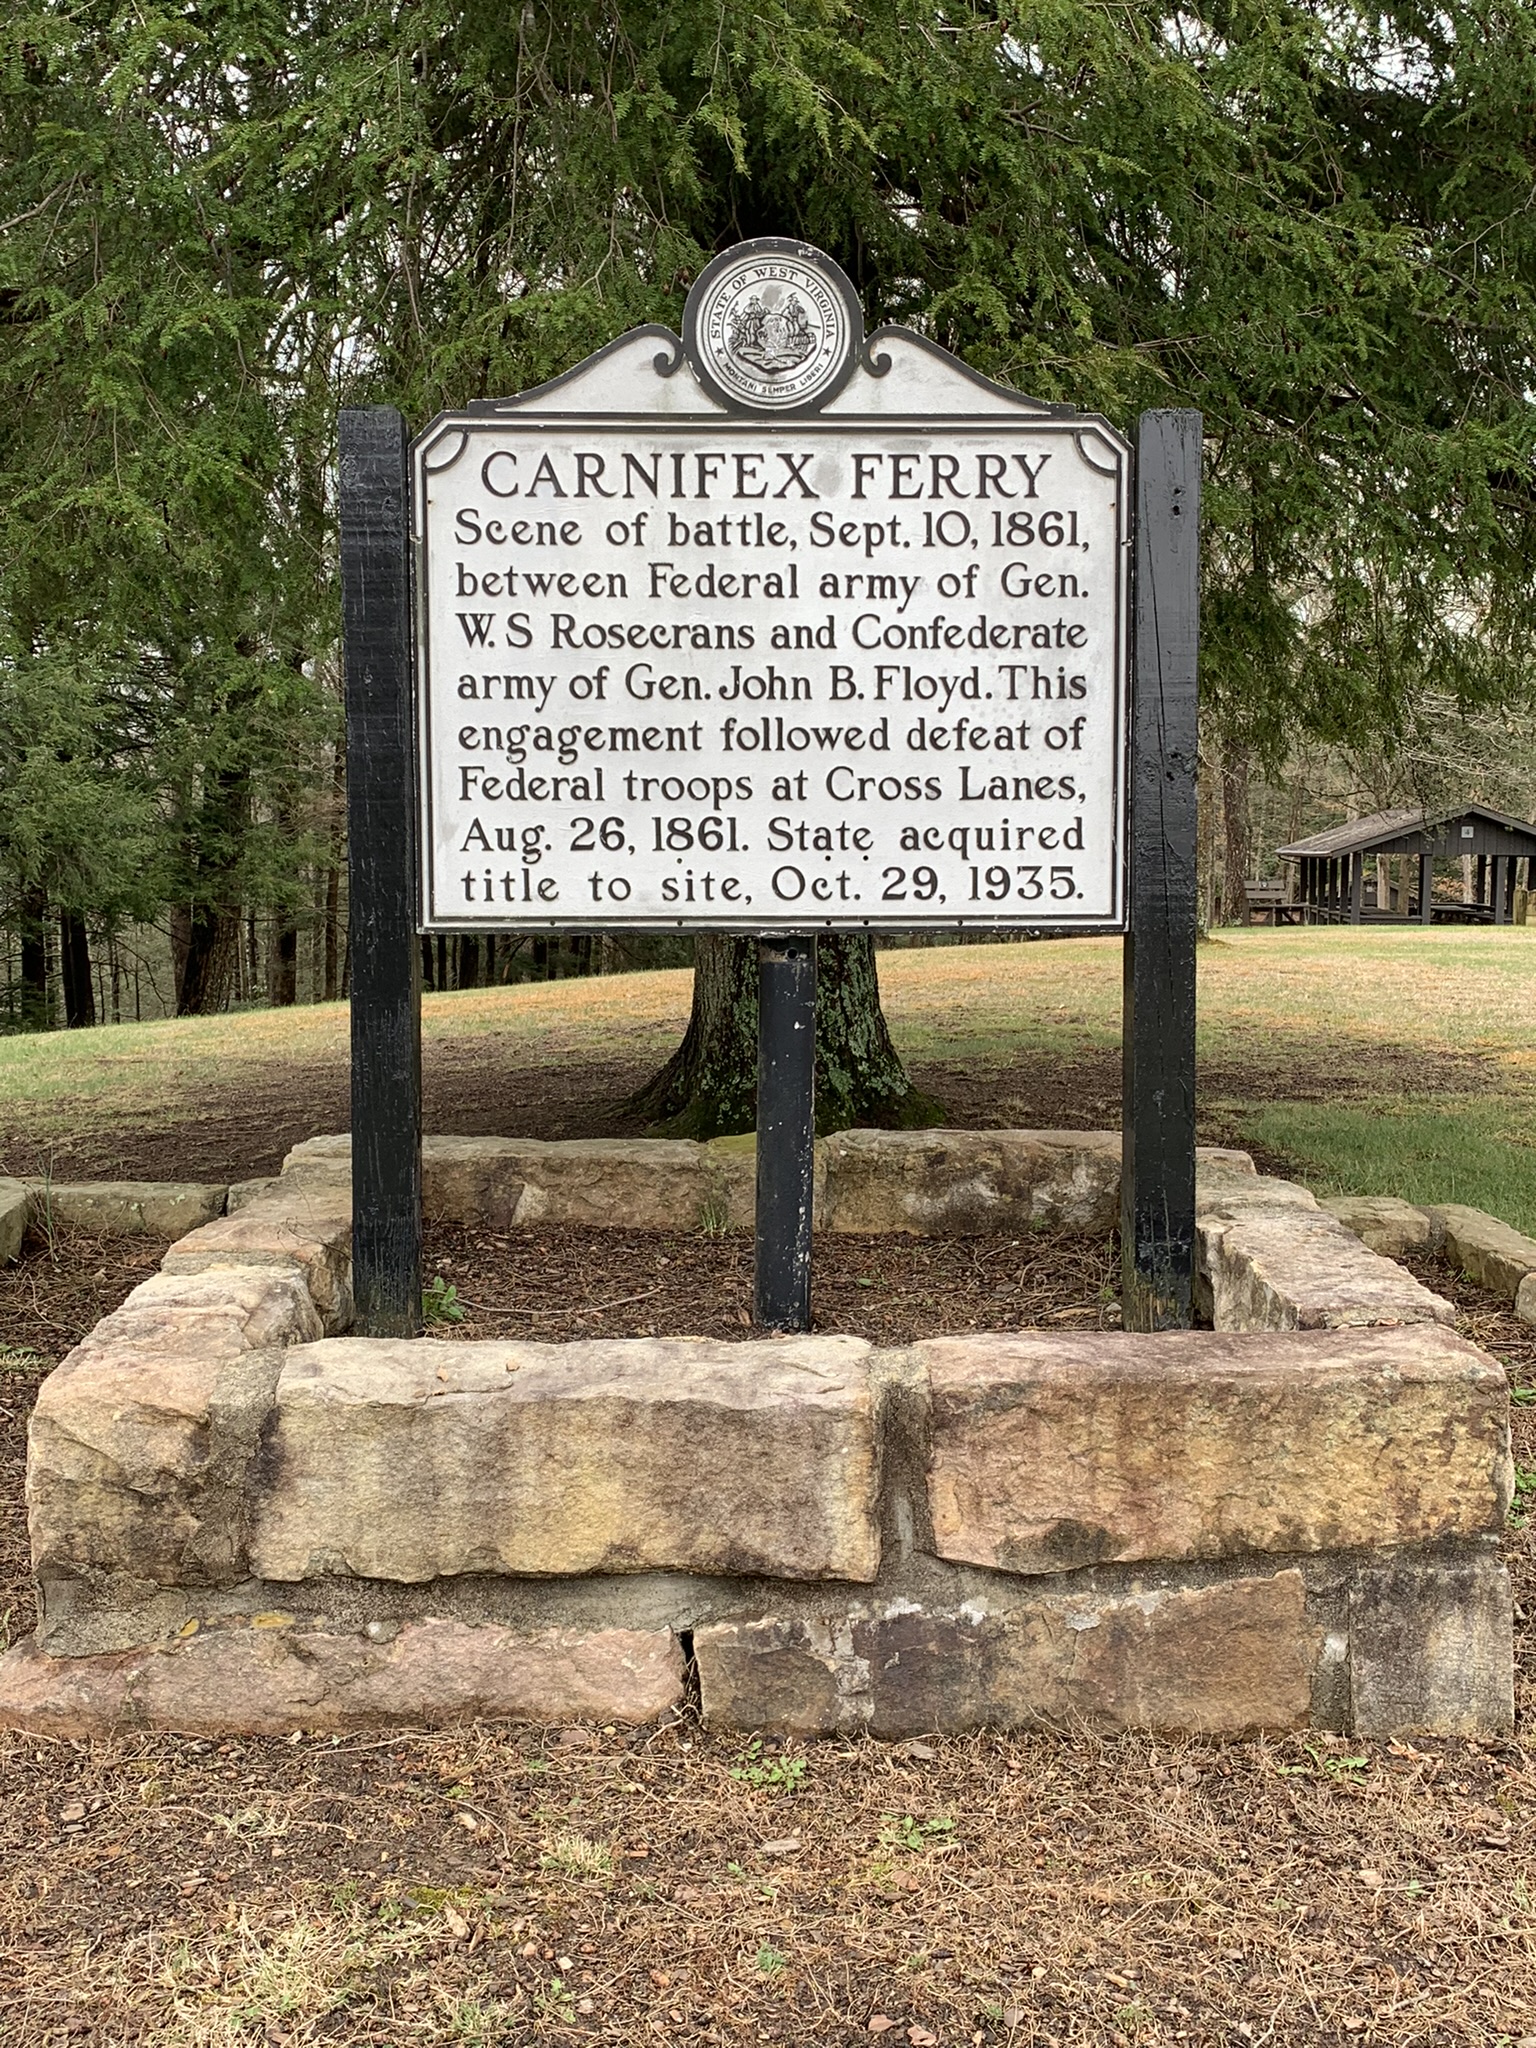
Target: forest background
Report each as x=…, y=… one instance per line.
x=222, y=221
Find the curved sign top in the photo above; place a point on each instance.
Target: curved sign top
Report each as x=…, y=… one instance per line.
x=775, y=628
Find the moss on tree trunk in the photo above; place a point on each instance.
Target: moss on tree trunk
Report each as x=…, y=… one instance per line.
x=708, y=1088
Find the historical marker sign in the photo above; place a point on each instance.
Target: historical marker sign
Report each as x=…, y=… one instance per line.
x=788, y=631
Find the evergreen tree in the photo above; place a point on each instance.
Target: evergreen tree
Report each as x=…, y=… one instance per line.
x=225, y=221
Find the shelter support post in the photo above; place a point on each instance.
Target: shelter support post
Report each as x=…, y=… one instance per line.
x=1356, y=887
x=1157, y=1186
x=786, y=1132
x=1426, y=888
x=1500, y=883
x=381, y=832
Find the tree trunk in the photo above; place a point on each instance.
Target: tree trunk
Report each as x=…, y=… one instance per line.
x=333, y=875
x=708, y=1088
x=285, y=964
x=332, y=934
x=34, y=961
x=1234, y=814
x=75, y=973
x=203, y=942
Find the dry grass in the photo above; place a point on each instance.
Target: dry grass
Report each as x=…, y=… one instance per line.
x=492, y=1887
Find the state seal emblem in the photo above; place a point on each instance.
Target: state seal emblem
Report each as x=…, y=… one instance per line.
x=774, y=338
x=773, y=326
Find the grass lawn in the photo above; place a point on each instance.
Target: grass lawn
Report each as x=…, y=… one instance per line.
x=1373, y=1061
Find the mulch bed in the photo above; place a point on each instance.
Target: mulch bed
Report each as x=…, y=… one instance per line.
x=557, y=1284
x=493, y=1887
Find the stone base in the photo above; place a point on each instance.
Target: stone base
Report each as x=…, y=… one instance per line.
x=1416, y=1644
x=244, y=1519
x=1191, y=1532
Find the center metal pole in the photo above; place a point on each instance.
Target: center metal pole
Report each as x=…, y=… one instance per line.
x=786, y=1132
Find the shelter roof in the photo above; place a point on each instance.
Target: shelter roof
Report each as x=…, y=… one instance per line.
x=1364, y=835
x=1358, y=836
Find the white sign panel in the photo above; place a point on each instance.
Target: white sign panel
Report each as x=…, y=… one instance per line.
x=723, y=647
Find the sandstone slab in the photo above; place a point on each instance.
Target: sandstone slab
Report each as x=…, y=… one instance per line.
x=411, y=1459
x=303, y=1225
x=1217, y=1165
x=1295, y=1267
x=1229, y=1659
x=1053, y=1452
x=633, y=1183
x=956, y=1183
x=142, y=1441
x=270, y=1681
x=628, y=1183
x=1383, y=1223
x=463, y=1180
x=1489, y=1252
x=129, y=1208
x=15, y=1215
x=1432, y=1649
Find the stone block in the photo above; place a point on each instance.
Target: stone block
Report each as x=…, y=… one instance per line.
x=15, y=1215
x=331, y=1151
x=1294, y=1267
x=411, y=1459
x=129, y=1208
x=956, y=1183
x=273, y=1680
x=785, y=1677
x=629, y=1183
x=624, y=1183
x=1525, y=1300
x=1052, y=1452
x=142, y=1441
x=303, y=1224
x=730, y=1166
x=1228, y=1194
x=1489, y=1252
x=1432, y=1649
x=1219, y=1164
x=243, y=1192
x=1228, y=1659
x=1383, y=1223
x=472, y=1181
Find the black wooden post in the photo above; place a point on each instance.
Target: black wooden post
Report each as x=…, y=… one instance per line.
x=381, y=856
x=786, y=1132
x=1157, y=1186
x=1356, y=887
x=1426, y=888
